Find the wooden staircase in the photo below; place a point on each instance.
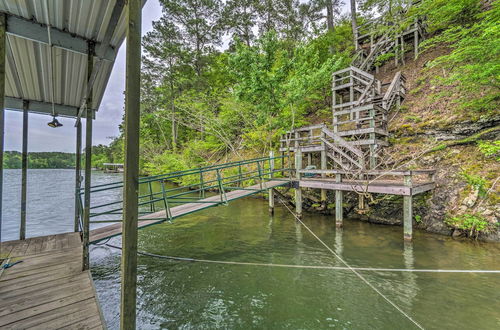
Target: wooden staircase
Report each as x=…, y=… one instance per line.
x=359, y=128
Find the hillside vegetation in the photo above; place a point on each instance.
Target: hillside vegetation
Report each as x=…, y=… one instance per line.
x=223, y=80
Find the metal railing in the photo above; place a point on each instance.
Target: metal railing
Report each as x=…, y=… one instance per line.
x=162, y=192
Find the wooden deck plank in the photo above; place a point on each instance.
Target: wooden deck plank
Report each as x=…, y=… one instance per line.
x=31, y=289
x=42, y=297
x=48, y=290
x=61, y=312
x=105, y=232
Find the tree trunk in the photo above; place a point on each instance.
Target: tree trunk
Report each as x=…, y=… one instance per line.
x=354, y=23
x=329, y=15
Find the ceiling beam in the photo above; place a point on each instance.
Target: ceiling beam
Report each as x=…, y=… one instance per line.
x=37, y=32
x=45, y=108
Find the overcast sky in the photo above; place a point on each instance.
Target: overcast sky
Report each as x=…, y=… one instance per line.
x=43, y=138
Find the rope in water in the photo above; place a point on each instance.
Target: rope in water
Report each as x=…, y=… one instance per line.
x=370, y=269
x=352, y=269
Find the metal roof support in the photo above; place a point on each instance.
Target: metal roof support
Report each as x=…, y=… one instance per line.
x=131, y=175
x=34, y=31
x=113, y=23
x=24, y=172
x=13, y=103
x=88, y=164
x=2, y=109
x=78, y=174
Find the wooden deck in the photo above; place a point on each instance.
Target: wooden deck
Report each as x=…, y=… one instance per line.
x=181, y=210
x=391, y=187
x=48, y=289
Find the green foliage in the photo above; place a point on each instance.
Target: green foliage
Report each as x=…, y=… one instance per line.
x=472, y=224
x=490, y=149
x=12, y=159
x=381, y=59
x=475, y=181
x=474, y=40
x=418, y=218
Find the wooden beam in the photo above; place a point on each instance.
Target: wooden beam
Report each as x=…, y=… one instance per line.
x=88, y=164
x=24, y=172
x=339, y=200
x=298, y=191
x=78, y=174
x=131, y=175
x=2, y=109
x=271, y=191
x=408, y=211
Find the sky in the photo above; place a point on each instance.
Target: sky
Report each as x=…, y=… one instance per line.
x=44, y=138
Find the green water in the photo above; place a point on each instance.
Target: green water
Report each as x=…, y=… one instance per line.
x=189, y=295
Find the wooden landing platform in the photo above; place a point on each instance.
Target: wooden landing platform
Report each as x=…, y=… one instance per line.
x=390, y=187
x=48, y=289
x=102, y=233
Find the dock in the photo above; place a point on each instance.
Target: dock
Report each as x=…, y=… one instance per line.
x=115, y=229
x=47, y=289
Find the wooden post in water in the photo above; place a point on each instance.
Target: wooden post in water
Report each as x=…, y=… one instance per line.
x=323, y=167
x=408, y=211
x=2, y=110
x=24, y=172
x=131, y=175
x=88, y=158
x=298, y=192
x=271, y=191
x=78, y=173
x=339, y=212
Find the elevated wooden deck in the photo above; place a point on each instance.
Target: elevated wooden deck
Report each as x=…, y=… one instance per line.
x=48, y=289
x=102, y=233
x=390, y=187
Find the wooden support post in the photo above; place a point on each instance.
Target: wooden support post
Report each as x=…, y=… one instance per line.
x=78, y=174
x=373, y=155
x=402, y=50
x=131, y=175
x=271, y=191
x=88, y=160
x=323, y=167
x=408, y=211
x=396, y=52
x=339, y=212
x=298, y=191
x=24, y=172
x=2, y=110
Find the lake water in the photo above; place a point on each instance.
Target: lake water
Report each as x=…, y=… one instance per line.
x=191, y=295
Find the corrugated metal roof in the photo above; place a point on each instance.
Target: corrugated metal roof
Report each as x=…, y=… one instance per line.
x=28, y=66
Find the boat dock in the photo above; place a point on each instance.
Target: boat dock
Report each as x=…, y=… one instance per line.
x=47, y=288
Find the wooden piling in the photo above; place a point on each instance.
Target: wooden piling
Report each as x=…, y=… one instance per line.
x=24, y=172
x=88, y=159
x=339, y=196
x=408, y=211
x=78, y=173
x=271, y=191
x=131, y=175
x=2, y=110
x=298, y=191
x=323, y=167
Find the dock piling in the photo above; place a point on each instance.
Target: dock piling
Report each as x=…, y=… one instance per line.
x=131, y=175
x=24, y=172
x=298, y=191
x=408, y=211
x=271, y=191
x=339, y=196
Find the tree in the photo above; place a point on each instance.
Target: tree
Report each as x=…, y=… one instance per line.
x=239, y=18
x=354, y=22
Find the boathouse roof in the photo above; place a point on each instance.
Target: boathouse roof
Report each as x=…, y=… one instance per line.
x=47, y=48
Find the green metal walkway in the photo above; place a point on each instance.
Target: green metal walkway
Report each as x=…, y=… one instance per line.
x=190, y=191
